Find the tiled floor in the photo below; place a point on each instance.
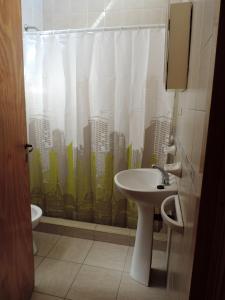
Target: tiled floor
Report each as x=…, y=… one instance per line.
x=79, y=269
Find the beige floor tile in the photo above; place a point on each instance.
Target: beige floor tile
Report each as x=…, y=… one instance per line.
x=45, y=242
x=37, y=260
x=159, y=241
x=128, y=259
x=37, y=296
x=107, y=255
x=55, y=277
x=94, y=283
x=132, y=290
x=158, y=260
x=71, y=249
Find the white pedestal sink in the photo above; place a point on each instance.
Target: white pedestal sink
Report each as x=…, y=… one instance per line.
x=140, y=185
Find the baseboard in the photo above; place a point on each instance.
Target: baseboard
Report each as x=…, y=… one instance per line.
x=97, y=232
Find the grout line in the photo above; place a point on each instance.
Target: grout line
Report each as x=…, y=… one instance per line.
x=81, y=264
x=117, y=293
x=65, y=260
x=40, y=232
x=46, y=294
x=62, y=260
x=78, y=271
x=43, y=258
x=88, y=252
x=126, y=258
x=74, y=279
x=105, y=268
x=53, y=246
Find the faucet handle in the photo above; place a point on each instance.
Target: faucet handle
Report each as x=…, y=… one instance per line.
x=175, y=168
x=170, y=139
x=170, y=150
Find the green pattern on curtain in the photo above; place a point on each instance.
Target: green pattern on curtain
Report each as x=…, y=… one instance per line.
x=85, y=197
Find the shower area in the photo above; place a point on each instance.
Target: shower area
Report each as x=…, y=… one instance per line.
x=96, y=104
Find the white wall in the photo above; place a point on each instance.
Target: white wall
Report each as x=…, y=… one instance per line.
x=32, y=13
x=58, y=14
x=193, y=108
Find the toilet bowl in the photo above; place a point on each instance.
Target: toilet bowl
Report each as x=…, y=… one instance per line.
x=36, y=214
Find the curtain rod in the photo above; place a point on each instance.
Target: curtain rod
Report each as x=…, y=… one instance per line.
x=153, y=26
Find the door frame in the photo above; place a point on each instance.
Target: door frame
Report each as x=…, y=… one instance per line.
x=208, y=275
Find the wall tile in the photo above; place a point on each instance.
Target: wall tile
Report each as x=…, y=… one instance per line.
x=96, y=19
x=60, y=22
x=153, y=16
x=185, y=130
x=133, y=4
x=209, y=13
x=37, y=13
x=156, y=3
x=204, y=77
x=27, y=11
x=113, y=18
x=62, y=7
x=78, y=6
x=79, y=20
x=199, y=125
x=48, y=21
x=48, y=6
x=130, y=17
x=96, y=5
x=191, y=134
x=57, y=13
x=32, y=13
x=216, y=11
x=114, y=4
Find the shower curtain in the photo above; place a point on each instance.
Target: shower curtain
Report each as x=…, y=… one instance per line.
x=96, y=105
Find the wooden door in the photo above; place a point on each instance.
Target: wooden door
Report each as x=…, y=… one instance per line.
x=16, y=258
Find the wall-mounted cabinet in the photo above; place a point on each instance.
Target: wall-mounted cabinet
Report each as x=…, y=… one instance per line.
x=179, y=36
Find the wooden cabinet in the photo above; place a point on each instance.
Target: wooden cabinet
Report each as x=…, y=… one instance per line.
x=179, y=35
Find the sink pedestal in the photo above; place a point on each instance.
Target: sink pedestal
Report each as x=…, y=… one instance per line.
x=142, y=256
x=140, y=185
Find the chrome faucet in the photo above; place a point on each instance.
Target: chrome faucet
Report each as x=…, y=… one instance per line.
x=165, y=175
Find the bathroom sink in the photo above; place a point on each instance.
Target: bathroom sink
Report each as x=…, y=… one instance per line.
x=146, y=188
x=145, y=185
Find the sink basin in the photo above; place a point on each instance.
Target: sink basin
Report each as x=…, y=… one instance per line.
x=142, y=186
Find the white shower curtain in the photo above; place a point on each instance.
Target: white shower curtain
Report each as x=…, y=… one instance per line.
x=96, y=104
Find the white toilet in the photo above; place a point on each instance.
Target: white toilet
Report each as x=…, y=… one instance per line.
x=36, y=214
